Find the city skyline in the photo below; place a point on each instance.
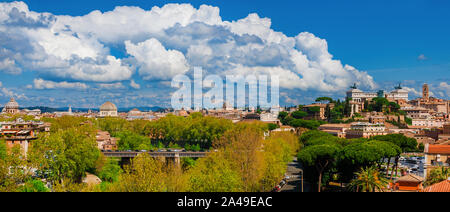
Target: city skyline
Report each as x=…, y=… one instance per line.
x=70, y=54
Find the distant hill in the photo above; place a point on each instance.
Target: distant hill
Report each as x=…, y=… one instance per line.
x=144, y=109
x=52, y=110
x=120, y=110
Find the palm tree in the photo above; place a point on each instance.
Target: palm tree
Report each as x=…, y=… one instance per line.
x=368, y=179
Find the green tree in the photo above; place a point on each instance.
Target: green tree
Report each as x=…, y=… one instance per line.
x=272, y=126
x=324, y=99
x=363, y=153
x=278, y=152
x=321, y=157
x=243, y=148
x=144, y=174
x=65, y=122
x=314, y=109
x=421, y=147
x=282, y=115
x=312, y=134
x=299, y=114
x=309, y=124
x=408, y=120
x=393, y=107
x=3, y=151
x=378, y=104
x=13, y=170
x=110, y=171
x=214, y=173
x=132, y=141
x=34, y=186
x=194, y=129
x=437, y=175
x=66, y=153
x=406, y=145
x=112, y=125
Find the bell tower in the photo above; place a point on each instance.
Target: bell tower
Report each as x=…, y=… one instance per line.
x=425, y=92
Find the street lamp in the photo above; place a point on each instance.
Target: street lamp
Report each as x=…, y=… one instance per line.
x=301, y=170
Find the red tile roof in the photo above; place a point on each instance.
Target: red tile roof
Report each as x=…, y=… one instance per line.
x=439, y=149
x=410, y=178
x=443, y=186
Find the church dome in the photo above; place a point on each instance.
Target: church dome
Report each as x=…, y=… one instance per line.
x=12, y=104
x=108, y=106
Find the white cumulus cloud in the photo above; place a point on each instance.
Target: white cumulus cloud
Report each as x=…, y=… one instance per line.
x=117, y=85
x=444, y=88
x=155, y=61
x=134, y=85
x=46, y=84
x=162, y=42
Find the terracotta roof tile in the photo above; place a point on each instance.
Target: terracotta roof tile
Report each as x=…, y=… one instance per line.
x=439, y=149
x=443, y=186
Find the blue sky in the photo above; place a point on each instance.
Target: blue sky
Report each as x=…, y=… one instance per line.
x=392, y=41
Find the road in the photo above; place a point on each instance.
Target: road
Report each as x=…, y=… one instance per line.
x=294, y=183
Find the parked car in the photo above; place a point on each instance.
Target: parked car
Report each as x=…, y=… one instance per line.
x=276, y=189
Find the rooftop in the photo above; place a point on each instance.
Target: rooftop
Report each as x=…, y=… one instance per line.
x=443, y=186
x=438, y=149
x=410, y=178
x=335, y=125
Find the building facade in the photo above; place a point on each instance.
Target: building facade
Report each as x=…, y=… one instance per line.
x=428, y=123
x=365, y=130
x=436, y=156
x=105, y=142
x=20, y=132
x=358, y=97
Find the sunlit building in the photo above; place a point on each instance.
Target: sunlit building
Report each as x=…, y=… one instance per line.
x=365, y=130
x=108, y=110
x=358, y=97
x=434, y=105
x=20, y=132
x=105, y=141
x=11, y=107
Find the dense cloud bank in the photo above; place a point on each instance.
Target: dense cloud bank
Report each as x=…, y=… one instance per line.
x=158, y=44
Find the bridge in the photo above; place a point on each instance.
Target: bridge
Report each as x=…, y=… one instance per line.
x=163, y=156
x=126, y=154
